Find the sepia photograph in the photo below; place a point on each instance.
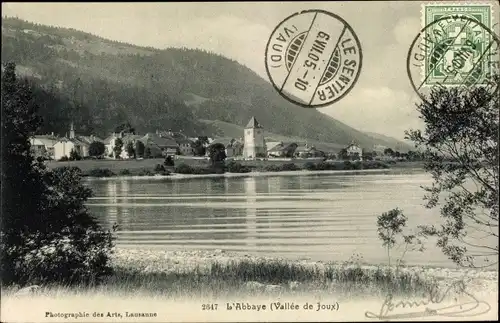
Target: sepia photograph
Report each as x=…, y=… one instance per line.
x=329, y=161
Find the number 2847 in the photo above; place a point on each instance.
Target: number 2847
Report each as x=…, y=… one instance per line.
x=209, y=307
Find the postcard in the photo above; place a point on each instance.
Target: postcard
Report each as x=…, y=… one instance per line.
x=250, y=161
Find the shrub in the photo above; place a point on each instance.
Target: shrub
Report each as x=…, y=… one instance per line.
x=169, y=161
x=96, y=148
x=289, y=166
x=234, y=167
x=217, y=169
x=100, y=172
x=357, y=165
x=281, y=168
x=160, y=169
x=186, y=169
x=310, y=166
x=64, y=158
x=271, y=168
x=145, y=172
x=73, y=155
x=374, y=165
x=124, y=172
x=347, y=165
x=322, y=166
x=183, y=169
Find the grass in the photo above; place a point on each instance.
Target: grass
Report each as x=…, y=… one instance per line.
x=212, y=277
x=113, y=165
x=110, y=168
x=231, y=279
x=141, y=274
x=149, y=167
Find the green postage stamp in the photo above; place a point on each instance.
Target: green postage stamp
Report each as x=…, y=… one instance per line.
x=459, y=44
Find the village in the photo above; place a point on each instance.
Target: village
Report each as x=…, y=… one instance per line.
x=125, y=145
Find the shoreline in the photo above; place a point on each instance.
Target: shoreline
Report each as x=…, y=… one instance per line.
x=183, y=258
x=251, y=272
x=176, y=176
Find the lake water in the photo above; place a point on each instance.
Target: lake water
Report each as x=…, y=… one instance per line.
x=319, y=217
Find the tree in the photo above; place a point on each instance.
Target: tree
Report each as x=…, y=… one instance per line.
x=413, y=155
x=139, y=149
x=198, y=148
x=343, y=154
x=74, y=155
x=390, y=227
x=125, y=127
x=130, y=149
x=203, y=140
x=96, y=148
x=368, y=155
x=460, y=150
x=290, y=150
x=19, y=168
x=117, y=149
x=47, y=233
x=169, y=161
x=388, y=152
x=217, y=153
x=147, y=153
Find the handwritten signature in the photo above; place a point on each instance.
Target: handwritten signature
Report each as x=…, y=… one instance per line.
x=462, y=309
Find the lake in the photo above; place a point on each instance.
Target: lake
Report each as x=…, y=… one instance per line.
x=327, y=217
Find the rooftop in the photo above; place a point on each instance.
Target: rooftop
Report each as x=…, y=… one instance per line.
x=160, y=141
x=253, y=123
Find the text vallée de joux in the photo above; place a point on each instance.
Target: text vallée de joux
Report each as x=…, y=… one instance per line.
x=279, y=306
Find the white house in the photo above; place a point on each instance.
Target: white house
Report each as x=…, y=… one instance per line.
x=80, y=144
x=254, y=143
x=110, y=143
x=281, y=149
x=185, y=147
x=43, y=145
x=354, y=150
x=64, y=147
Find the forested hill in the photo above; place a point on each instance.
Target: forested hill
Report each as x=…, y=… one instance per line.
x=102, y=83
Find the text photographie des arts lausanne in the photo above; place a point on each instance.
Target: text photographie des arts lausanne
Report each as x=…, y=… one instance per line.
x=363, y=187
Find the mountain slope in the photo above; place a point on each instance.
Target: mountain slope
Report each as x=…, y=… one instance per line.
x=111, y=82
x=391, y=142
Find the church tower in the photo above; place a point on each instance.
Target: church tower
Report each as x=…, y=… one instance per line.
x=72, y=131
x=254, y=144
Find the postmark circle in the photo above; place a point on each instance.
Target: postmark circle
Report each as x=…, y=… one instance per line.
x=453, y=51
x=313, y=58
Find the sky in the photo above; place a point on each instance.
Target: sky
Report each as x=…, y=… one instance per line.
x=381, y=101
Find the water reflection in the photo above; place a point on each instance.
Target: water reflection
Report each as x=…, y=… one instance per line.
x=325, y=217
x=112, y=208
x=124, y=214
x=251, y=210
